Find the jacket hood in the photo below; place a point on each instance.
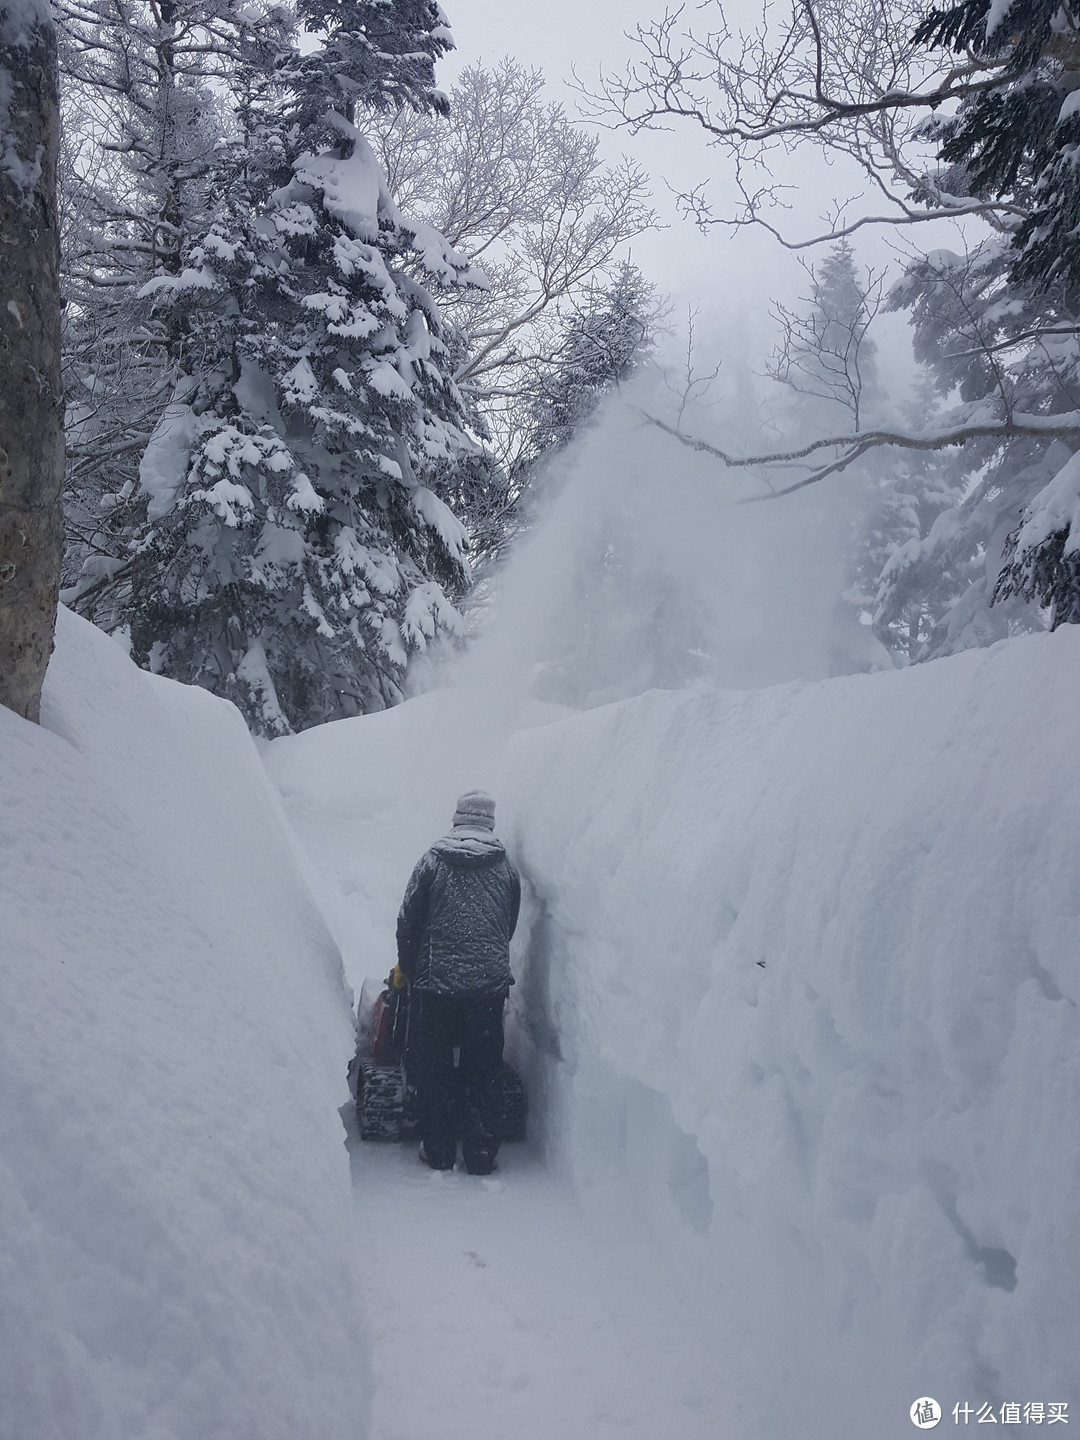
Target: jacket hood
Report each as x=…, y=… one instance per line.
x=469, y=849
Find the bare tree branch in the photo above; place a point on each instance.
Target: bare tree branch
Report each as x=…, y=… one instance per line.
x=519, y=189
x=845, y=77
x=852, y=447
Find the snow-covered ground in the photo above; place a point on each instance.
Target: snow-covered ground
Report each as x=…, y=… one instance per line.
x=174, y=1192
x=501, y=1308
x=798, y=1007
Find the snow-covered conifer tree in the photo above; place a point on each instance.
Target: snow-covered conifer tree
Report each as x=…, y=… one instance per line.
x=1042, y=555
x=157, y=102
x=902, y=580
x=296, y=547
x=609, y=337
x=610, y=334
x=1013, y=317
x=989, y=343
x=375, y=55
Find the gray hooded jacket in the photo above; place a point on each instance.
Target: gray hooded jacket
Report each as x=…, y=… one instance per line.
x=460, y=909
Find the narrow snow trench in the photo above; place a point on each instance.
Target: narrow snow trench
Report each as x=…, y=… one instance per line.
x=499, y=1310
x=504, y=1307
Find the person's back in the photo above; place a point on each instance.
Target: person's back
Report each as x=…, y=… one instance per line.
x=458, y=915
x=453, y=936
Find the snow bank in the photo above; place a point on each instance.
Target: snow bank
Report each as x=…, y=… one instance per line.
x=803, y=977
x=797, y=1001
x=173, y=1183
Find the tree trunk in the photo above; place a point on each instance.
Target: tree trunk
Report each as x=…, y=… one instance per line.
x=31, y=402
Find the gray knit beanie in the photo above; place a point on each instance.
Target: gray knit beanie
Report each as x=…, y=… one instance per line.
x=475, y=811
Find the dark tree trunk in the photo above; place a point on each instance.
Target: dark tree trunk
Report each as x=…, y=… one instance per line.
x=31, y=406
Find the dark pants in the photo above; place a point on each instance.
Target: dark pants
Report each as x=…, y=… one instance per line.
x=463, y=1100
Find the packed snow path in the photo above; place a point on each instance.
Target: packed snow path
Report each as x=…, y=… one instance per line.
x=497, y=1310
x=498, y=1307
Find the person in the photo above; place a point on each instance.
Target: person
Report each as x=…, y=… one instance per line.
x=453, y=942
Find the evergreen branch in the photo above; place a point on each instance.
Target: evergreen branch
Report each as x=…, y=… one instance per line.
x=1020, y=339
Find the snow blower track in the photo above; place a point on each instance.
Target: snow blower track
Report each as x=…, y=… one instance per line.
x=498, y=1311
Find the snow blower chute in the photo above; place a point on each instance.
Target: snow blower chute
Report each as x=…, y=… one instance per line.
x=386, y=1102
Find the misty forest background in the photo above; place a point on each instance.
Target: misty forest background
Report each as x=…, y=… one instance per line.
x=327, y=330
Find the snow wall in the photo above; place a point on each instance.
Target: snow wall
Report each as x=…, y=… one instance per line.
x=173, y=1181
x=801, y=971
x=797, y=1002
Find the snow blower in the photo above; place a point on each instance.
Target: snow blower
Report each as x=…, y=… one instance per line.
x=386, y=1101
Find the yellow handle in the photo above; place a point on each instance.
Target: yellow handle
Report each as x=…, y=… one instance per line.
x=398, y=977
